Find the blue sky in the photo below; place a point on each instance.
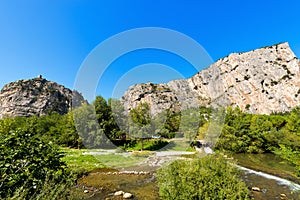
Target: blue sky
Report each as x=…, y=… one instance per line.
x=54, y=37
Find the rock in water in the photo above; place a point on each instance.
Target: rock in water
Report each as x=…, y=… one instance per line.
x=261, y=81
x=36, y=96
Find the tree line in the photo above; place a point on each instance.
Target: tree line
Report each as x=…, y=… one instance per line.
x=103, y=121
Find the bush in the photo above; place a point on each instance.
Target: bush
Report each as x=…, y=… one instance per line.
x=153, y=145
x=207, y=178
x=147, y=144
x=50, y=190
x=27, y=163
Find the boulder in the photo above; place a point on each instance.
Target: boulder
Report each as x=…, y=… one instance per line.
x=257, y=189
x=119, y=193
x=127, y=195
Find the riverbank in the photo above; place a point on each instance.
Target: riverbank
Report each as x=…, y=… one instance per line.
x=130, y=168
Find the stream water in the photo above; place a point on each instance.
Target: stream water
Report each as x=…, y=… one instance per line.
x=271, y=187
x=271, y=174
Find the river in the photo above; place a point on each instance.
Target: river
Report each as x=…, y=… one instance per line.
x=273, y=175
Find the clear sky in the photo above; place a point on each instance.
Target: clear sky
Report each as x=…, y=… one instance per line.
x=54, y=37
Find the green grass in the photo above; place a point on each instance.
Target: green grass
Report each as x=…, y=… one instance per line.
x=116, y=161
x=80, y=161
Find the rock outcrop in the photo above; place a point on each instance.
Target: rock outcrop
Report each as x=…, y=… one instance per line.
x=36, y=97
x=261, y=81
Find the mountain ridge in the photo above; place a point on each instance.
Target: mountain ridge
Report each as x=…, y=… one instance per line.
x=259, y=81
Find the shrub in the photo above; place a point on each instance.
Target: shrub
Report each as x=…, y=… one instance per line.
x=148, y=144
x=208, y=178
x=27, y=162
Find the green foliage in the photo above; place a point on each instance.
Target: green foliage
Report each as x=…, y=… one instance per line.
x=208, y=178
x=59, y=129
x=88, y=127
x=118, y=118
x=171, y=125
x=27, y=162
x=141, y=114
x=140, y=126
x=84, y=160
x=187, y=122
x=150, y=144
x=252, y=133
x=50, y=190
x=290, y=155
x=167, y=124
x=80, y=162
x=107, y=117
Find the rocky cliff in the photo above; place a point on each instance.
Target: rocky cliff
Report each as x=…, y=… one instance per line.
x=261, y=81
x=36, y=96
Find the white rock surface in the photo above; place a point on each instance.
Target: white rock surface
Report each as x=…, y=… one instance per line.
x=119, y=193
x=261, y=81
x=127, y=195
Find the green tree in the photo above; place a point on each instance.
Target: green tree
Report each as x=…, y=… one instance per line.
x=118, y=119
x=103, y=111
x=171, y=126
x=290, y=155
x=89, y=130
x=107, y=113
x=190, y=123
x=140, y=126
x=141, y=114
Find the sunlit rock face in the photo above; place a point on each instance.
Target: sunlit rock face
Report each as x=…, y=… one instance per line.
x=261, y=81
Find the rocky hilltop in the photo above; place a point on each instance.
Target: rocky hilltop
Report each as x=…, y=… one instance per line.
x=36, y=96
x=261, y=81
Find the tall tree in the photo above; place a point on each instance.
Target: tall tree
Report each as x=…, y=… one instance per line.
x=105, y=117
x=88, y=127
x=140, y=126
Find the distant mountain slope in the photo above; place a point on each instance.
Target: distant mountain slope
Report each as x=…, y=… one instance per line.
x=261, y=81
x=36, y=96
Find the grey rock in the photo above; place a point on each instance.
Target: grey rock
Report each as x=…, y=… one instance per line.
x=127, y=195
x=261, y=81
x=257, y=189
x=119, y=193
x=36, y=96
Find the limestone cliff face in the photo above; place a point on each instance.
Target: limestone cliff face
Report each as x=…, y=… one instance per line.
x=36, y=97
x=261, y=81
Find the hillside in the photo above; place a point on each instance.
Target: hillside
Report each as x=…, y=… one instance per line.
x=261, y=81
x=36, y=96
